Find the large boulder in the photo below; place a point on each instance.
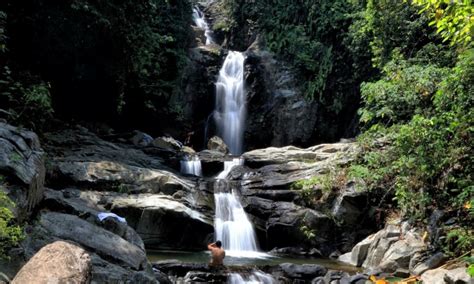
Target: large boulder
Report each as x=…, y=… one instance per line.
x=59, y=262
x=167, y=143
x=22, y=162
x=302, y=271
x=392, y=249
x=119, y=177
x=343, y=150
x=217, y=144
x=58, y=226
x=154, y=217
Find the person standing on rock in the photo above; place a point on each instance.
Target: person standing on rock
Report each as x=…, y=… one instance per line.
x=217, y=254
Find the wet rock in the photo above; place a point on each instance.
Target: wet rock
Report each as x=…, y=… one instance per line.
x=205, y=277
x=106, y=272
x=178, y=268
x=303, y=271
x=55, y=263
x=217, y=144
x=296, y=251
x=22, y=162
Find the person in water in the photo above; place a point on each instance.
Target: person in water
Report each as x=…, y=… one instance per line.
x=217, y=254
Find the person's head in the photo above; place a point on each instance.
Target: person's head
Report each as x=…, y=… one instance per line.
x=218, y=244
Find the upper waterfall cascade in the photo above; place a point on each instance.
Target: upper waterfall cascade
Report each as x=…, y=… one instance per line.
x=230, y=108
x=200, y=22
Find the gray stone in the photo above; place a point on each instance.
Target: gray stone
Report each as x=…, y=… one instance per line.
x=290, y=153
x=458, y=276
x=141, y=139
x=435, y=276
x=418, y=265
x=154, y=217
x=302, y=271
x=58, y=262
x=22, y=159
x=217, y=144
x=167, y=143
x=96, y=239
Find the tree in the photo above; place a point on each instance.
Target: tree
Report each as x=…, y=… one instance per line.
x=454, y=19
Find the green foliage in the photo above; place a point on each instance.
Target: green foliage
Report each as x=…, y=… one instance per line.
x=404, y=91
x=309, y=233
x=419, y=144
x=454, y=20
x=10, y=234
x=103, y=59
x=28, y=99
x=459, y=240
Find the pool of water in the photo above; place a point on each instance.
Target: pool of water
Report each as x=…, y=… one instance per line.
x=265, y=259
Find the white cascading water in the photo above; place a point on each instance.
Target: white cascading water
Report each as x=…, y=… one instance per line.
x=257, y=277
x=200, y=22
x=230, y=109
x=232, y=226
x=191, y=166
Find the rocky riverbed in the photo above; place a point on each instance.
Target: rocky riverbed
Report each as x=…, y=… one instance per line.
x=72, y=175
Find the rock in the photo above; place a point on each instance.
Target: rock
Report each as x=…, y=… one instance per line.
x=153, y=217
x=106, y=272
x=217, y=144
x=205, y=277
x=188, y=150
x=351, y=206
x=295, y=251
x=435, y=276
x=339, y=277
x=273, y=155
x=359, y=253
x=53, y=226
x=120, y=177
x=55, y=263
x=382, y=241
x=458, y=276
x=22, y=161
x=168, y=143
x=178, y=268
x=283, y=227
x=420, y=264
x=141, y=139
x=399, y=254
x=302, y=271
x=278, y=112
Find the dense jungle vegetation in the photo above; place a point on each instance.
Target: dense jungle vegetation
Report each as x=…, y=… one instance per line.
x=405, y=67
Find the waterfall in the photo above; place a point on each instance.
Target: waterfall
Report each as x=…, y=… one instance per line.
x=230, y=102
x=191, y=166
x=228, y=166
x=257, y=277
x=232, y=225
x=200, y=22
